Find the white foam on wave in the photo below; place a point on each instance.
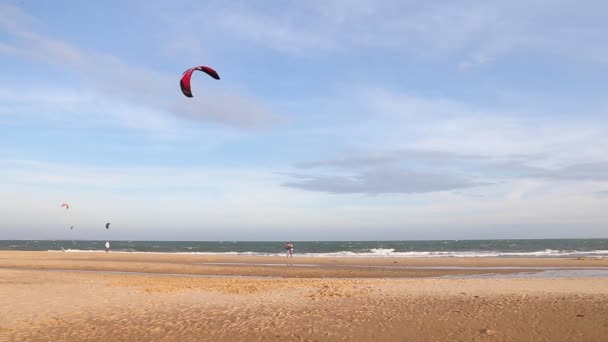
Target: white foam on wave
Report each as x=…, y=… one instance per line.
x=386, y=252
x=553, y=252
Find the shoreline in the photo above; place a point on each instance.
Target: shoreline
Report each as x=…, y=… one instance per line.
x=320, y=267
x=376, y=260
x=540, y=273
x=423, y=255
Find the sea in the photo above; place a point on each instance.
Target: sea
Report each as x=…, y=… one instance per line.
x=541, y=248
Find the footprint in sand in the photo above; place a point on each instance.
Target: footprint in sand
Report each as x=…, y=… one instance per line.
x=488, y=332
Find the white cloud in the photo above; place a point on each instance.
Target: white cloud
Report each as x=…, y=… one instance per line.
x=439, y=124
x=524, y=202
x=476, y=32
x=401, y=143
x=198, y=201
x=378, y=181
x=13, y=18
x=81, y=106
x=448, y=140
x=136, y=84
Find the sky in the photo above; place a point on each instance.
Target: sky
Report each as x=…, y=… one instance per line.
x=333, y=120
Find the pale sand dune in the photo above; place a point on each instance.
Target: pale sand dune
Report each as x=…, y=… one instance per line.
x=41, y=305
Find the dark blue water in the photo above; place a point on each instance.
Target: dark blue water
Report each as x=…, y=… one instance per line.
x=448, y=248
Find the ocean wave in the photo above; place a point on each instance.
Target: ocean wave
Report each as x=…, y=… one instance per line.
x=380, y=252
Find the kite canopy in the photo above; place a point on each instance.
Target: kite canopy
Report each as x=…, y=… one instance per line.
x=108, y=225
x=67, y=206
x=184, y=82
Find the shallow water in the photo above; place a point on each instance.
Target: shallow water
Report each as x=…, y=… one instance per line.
x=537, y=273
x=545, y=274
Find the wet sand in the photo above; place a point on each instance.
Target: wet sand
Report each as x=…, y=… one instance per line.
x=41, y=302
x=317, y=267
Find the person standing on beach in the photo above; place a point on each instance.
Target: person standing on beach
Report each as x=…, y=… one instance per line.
x=107, y=246
x=289, y=249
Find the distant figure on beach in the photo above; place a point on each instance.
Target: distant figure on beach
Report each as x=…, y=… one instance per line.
x=107, y=246
x=289, y=249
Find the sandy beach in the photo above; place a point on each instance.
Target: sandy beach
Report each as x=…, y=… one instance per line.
x=54, y=296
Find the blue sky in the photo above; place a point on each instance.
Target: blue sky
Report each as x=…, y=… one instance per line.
x=333, y=120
